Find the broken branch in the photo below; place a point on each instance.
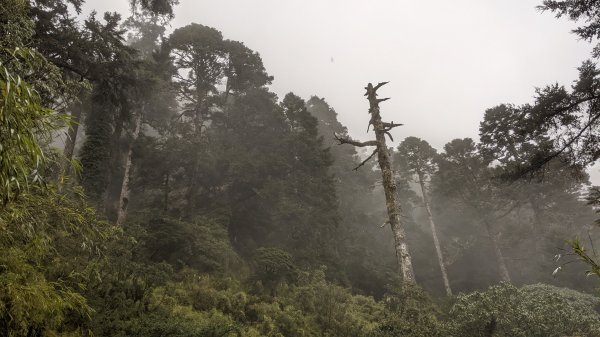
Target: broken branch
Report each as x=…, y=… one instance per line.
x=389, y=135
x=366, y=160
x=372, y=91
x=346, y=140
x=389, y=126
x=379, y=85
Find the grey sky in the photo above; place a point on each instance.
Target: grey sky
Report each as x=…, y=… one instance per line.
x=447, y=61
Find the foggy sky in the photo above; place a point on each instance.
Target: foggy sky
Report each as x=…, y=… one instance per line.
x=447, y=61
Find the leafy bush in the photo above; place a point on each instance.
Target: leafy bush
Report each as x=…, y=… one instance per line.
x=272, y=266
x=202, y=244
x=531, y=311
x=410, y=312
x=50, y=244
x=331, y=309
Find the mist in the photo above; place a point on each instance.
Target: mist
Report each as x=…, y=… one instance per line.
x=299, y=168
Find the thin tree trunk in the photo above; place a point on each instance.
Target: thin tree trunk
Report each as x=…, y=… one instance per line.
x=125, y=188
x=504, y=275
x=537, y=227
x=193, y=185
x=436, y=242
x=69, y=148
x=389, y=185
x=166, y=192
x=227, y=90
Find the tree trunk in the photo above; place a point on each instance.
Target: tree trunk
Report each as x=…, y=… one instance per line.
x=389, y=185
x=537, y=228
x=504, y=275
x=436, y=242
x=192, y=191
x=69, y=148
x=166, y=192
x=114, y=181
x=125, y=188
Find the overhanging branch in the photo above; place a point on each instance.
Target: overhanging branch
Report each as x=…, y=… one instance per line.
x=366, y=160
x=347, y=140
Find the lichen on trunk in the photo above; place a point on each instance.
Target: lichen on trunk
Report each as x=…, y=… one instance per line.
x=394, y=209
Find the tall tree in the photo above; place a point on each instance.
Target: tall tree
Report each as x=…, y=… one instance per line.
x=568, y=117
x=545, y=195
x=466, y=176
x=151, y=96
x=420, y=158
x=65, y=43
x=243, y=70
x=199, y=57
x=114, y=79
x=310, y=197
x=366, y=251
x=204, y=61
x=571, y=119
x=394, y=209
x=503, y=140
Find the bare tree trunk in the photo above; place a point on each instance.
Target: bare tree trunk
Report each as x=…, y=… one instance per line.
x=125, y=188
x=504, y=275
x=436, y=242
x=389, y=183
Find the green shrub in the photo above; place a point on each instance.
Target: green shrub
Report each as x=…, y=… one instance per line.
x=532, y=311
x=203, y=244
x=410, y=312
x=50, y=247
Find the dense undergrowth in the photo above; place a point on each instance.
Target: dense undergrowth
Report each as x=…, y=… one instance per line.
x=123, y=289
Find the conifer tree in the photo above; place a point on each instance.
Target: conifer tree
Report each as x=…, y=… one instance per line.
x=420, y=158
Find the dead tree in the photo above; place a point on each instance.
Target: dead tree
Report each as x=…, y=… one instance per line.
x=389, y=184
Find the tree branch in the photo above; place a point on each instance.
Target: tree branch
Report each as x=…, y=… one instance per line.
x=536, y=166
x=379, y=85
x=389, y=135
x=372, y=91
x=389, y=126
x=564, y=108
x=346, y=140
x=507, y=212
x=366, y=160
